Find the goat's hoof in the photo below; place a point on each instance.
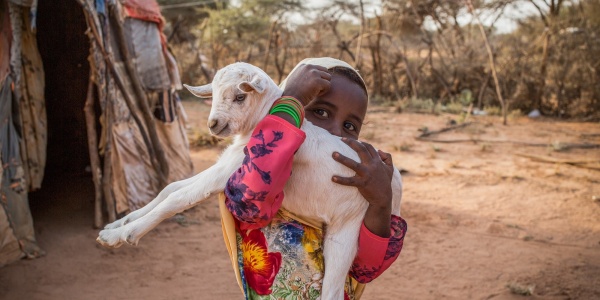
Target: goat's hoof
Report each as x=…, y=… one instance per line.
x=131, y=240
x=106, y=244
x=118, y=223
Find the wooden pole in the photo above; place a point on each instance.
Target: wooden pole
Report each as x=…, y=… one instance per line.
x=90, y=122
x=107, y=178
x=130, y=103
x=159, y=154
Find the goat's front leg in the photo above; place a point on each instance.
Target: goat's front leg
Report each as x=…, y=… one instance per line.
x=206, y=183
x=340, y=247
x=172, y=187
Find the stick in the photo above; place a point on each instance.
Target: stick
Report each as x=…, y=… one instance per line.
x=491, y=60
x=428, y=133
x=107, y=171
x=550, y=159
x=157, y=152
x=148, y=141
x=563, y=146
x=90, y=121
x=575, y=163
x=107, y=178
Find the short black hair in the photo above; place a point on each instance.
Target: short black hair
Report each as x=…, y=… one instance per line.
x=350, y=74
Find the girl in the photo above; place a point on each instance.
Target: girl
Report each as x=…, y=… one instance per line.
x=276, y=254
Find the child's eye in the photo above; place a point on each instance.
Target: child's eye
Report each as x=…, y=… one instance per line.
x=322, y=113
x=349, y=126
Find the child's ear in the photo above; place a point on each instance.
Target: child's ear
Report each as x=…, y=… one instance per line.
x=203, y=91
x=256, y=85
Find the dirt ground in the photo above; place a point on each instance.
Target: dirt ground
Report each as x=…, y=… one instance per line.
x=487, y=220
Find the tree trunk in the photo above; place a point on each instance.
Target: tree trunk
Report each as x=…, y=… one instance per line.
x=543, y=70
x=482, y=90
x=360, y=35
x=269, y=41
x=491, y=61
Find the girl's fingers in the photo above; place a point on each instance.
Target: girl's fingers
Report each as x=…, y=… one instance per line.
x=359, y=148
x=386, y=158
x=350, y=181
x=324, y=86
x=348, y=162
x=323, y=72
x=371, y=149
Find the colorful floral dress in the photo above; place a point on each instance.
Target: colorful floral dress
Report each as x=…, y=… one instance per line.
x=276, y=254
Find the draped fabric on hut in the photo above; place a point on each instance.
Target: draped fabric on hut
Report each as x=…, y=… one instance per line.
x=135, y=123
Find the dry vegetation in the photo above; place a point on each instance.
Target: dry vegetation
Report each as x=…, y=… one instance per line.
x=428, y=54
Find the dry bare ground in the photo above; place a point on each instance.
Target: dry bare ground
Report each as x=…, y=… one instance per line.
x=487, y=220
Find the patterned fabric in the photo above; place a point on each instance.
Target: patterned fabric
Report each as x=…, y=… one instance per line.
x=376, y=254
x=279, y=257
x=283, y=260
x=32, y=106
x=255, y=191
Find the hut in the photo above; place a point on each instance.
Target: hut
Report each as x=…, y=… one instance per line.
x=87, y=88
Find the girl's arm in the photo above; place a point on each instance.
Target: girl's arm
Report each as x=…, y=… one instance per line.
x=373, y=179
x=382, y=234
x=255, y=191
x=376, y=253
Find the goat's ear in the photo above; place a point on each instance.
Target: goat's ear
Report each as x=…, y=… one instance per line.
x=203, y=91
x=256, y=85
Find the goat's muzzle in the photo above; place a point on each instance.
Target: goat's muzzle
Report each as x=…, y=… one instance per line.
x=219, y=129
x=212, y=124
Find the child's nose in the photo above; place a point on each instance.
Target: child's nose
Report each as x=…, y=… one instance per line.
x=335, y=130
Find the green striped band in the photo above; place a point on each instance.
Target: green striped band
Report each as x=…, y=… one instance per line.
x=289, y=109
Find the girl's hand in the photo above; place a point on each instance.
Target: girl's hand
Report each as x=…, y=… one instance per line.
x=373, y=179
x=307, y=82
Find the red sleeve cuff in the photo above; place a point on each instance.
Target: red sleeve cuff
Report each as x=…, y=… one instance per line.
x=371, y=247
x=286, y=125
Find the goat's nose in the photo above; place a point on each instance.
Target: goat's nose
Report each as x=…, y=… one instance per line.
x=212, y=123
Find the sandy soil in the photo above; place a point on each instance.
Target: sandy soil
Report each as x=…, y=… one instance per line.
x=485, y=222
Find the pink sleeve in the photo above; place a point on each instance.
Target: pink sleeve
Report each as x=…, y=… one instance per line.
x=375, y=253
x=255, y=191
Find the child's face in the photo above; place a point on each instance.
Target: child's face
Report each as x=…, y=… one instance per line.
x=341, y=110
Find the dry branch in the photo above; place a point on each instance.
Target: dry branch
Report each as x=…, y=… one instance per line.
x=107, y=170
x=155, y=147
x=577, y=163
x=491, y=61
x=566, y=146
x=90, y=120
x=550, y=159
x=429, y=133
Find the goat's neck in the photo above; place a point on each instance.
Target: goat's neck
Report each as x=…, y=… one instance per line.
x=241, y=139
x=270, y=97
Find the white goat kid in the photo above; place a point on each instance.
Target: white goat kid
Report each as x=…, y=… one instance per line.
x=242, y=96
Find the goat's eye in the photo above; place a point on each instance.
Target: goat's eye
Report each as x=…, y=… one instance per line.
x=240, y=97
